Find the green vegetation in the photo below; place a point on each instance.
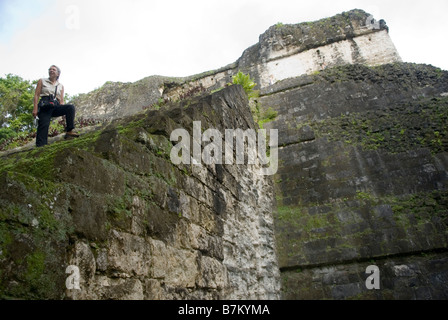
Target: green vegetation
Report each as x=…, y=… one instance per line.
x=364, y=196
x=266, y=116
x=32, y=228
x=247, y=82
x=348, y=221
x=397, y=130
x=16, y=106
x=260, y=116
x=417, y=210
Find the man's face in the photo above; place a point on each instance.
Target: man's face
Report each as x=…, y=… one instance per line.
x=53, y=72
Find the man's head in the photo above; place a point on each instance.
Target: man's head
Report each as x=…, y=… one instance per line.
x=54, y=69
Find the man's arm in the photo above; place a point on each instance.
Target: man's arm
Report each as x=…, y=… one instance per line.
x=36, y=97
x=62, y=96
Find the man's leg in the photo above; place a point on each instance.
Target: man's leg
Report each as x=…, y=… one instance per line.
x=68, y=111
x=42, y=126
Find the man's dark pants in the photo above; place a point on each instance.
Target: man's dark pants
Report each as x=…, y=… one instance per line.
x=46, y=113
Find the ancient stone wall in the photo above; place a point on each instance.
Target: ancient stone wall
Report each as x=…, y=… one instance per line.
x=362, y=181
x=112, y=204
x=287, y=51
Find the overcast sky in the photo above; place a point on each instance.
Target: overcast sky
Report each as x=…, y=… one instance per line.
x=94, y=41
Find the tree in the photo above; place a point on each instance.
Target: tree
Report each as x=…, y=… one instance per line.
x=16, y=106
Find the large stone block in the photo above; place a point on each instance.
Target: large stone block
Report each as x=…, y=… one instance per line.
x=177, y=267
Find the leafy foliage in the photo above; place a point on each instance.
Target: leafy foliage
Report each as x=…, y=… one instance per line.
x=247, y=83
x=16, y=106
x=260, y=115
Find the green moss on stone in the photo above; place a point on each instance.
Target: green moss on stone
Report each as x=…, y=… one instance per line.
x=422, y=124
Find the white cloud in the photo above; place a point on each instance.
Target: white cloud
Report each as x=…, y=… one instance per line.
x=94, y=41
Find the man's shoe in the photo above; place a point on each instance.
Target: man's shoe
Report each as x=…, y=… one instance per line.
x=71, y=134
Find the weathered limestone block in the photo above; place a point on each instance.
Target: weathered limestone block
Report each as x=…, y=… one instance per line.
x=213, y=274
x=128, y=254
x=177, y=267
x=124, y=289
x=105, y=288
x=83, y=257
x=81, y=168
x=153, y=290
x=138, y=226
